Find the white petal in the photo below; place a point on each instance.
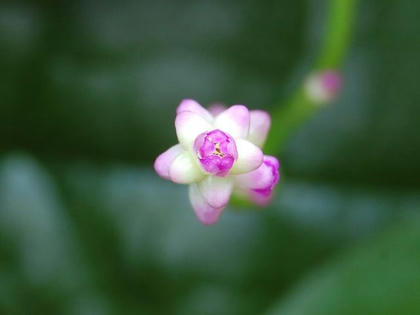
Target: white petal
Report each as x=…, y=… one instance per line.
x=259, y=126
x=189, y=105
x=184, y=169
x=234, y=120
x=216, y=190
x=189, y=125
x=250, y=157
x=164, y=161
x=205, y=213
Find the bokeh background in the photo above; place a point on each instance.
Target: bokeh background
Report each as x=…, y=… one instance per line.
x=88, y=92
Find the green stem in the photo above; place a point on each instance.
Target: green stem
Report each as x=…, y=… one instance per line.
x=299, y=108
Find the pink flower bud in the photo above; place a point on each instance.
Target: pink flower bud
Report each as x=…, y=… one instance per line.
x=216, y=152
x=323, y=86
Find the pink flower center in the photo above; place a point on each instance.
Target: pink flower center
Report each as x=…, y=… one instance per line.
x=216, y=152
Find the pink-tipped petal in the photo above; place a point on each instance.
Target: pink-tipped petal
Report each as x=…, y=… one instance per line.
x=205, y=213
x=250, y=157
x=272, y=161
x=164, y=161
x=263, y=178
x=216, y=109
x=260, y=178
x=259, y=184
x=235, y=121
x=184, y=170
x=260, y=123
x=189, y=125
x=189, y=105
x=260, y=199
x=216, y=190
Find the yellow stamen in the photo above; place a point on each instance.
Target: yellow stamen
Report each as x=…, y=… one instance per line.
x=217, y=151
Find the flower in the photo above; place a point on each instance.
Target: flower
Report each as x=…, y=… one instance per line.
x=219, y=153
x=323, y=86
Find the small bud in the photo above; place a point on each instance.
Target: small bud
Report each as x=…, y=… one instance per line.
x=323, y=86
x=216, y=152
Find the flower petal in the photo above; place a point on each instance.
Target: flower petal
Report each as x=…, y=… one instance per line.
x=216, y=109
x=163, y=162
x=216, y=190
x=260, y=198
x=184, y=170
x=189, y=105
x=259, y=184
x=234, y=120
x=250, y=157
x=205, y=213
x=272, y=160
x=264, y=177
x=260, y=123
x=189, y=125
x=260, y=178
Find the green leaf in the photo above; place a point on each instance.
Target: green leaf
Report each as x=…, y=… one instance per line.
x=380, y=277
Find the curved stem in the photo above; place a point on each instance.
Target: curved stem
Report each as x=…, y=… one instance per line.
x=299, y=108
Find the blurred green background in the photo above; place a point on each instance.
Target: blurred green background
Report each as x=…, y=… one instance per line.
x=88, y=94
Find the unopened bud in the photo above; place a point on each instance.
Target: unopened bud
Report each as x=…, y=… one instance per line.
x=323, y=86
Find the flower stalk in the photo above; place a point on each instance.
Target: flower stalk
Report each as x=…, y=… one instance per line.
x=300, y=106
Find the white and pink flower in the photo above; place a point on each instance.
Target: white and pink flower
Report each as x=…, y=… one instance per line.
x=219, y=153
